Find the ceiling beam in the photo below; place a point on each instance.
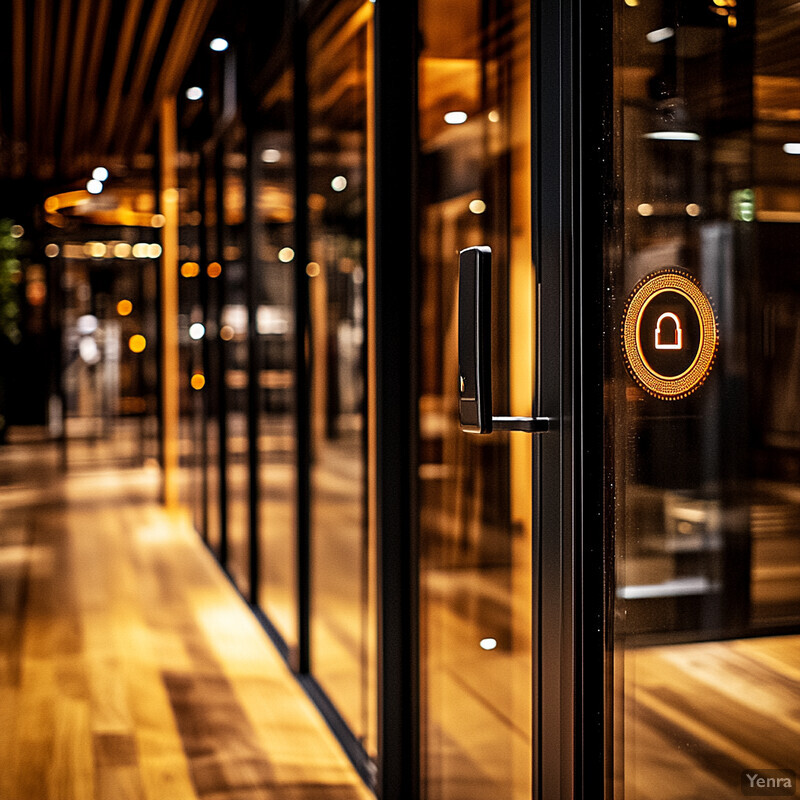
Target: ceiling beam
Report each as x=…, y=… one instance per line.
x=144, y=66
x=41, y=161
x=73, y=113
x=59, y=76
x=191, y=24
x=90, y=101
x=20, y=76
x=127, y=35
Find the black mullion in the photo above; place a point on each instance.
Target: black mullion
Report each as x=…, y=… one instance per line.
x=301, y=660
x=254, y=361
x=222, y=398
x=553, y=508
x=205, y=346
x=593, y=125
x=395, y=293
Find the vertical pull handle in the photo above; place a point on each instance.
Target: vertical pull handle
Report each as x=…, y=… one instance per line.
x=475, y=349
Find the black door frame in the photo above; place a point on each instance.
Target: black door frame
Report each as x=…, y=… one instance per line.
x=572, y=86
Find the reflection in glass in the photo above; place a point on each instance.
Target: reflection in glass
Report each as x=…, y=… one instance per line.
x=706, y=489
x=233, y=330
x=276, y=267
x=190, y=312
x=475, y=491
x=212, y=350
x=109, y=391
x=341, y=634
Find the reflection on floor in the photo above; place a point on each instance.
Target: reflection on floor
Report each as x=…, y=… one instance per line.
x=698, y=715
x=129, y=668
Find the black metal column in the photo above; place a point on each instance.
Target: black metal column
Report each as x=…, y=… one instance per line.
x=301, y=660
x=396, y=423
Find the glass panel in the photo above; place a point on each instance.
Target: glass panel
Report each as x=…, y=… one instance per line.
x=233, y=330
x=212, y=347
x=276, y=265
x=338, y=129
x=475, y=491
x=109, y=300
x=191, y=332
x=705, y=485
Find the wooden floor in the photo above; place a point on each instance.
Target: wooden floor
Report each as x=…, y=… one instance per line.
x=129, y=668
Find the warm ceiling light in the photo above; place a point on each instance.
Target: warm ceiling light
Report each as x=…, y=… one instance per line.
x=140, y=250
x=51, y=250
x=214, y=269
x=153, y=250
x=271, y=155
x=477, y=206
x=792, y=148
x=190, y=269
x=122, y=250
x=124, y=307
x=339, y=183
x=137, y=343
x=158, y=220
x=198, y=381
x=218, y=44
x=194, y=93
x=94, y=186
x=455, y=117
x=312, y=270
x=494, y=116
x=285, y=254
x=100, y=174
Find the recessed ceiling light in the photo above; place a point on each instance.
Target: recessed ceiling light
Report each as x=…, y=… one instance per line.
x=218, y=44
x=455, y=117
x=194, y=93
x=673, y=136
x=659, y=35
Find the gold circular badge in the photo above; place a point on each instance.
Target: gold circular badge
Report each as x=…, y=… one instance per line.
x=669, y=334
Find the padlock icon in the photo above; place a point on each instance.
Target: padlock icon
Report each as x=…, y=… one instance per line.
x=677, y=342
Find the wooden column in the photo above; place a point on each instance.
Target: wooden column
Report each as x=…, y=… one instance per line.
x=168, y=145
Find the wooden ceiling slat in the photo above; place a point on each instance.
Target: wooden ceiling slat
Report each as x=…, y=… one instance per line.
x=194, y=16
x=20, y=77
x=59, y=75
x=40, y=97
x=70, y=61
x=132, y=13
x=144, y=65
x=74, y=112
x=90, y=100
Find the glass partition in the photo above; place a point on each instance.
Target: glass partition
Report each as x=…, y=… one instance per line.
x=342, y=638
x=212, y=344
x=276, y=265
x=233, y=332
x=703, y=370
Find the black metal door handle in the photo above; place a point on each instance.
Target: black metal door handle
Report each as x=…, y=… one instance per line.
x=475, y=349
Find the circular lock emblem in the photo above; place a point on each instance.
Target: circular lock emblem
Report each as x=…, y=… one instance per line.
x=669, y=334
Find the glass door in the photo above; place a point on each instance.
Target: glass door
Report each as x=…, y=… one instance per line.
x=703, y=401
x=475, y=504
x=342, y=619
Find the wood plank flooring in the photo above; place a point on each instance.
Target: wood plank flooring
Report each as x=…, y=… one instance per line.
x=129, y=668
x=698, y=715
